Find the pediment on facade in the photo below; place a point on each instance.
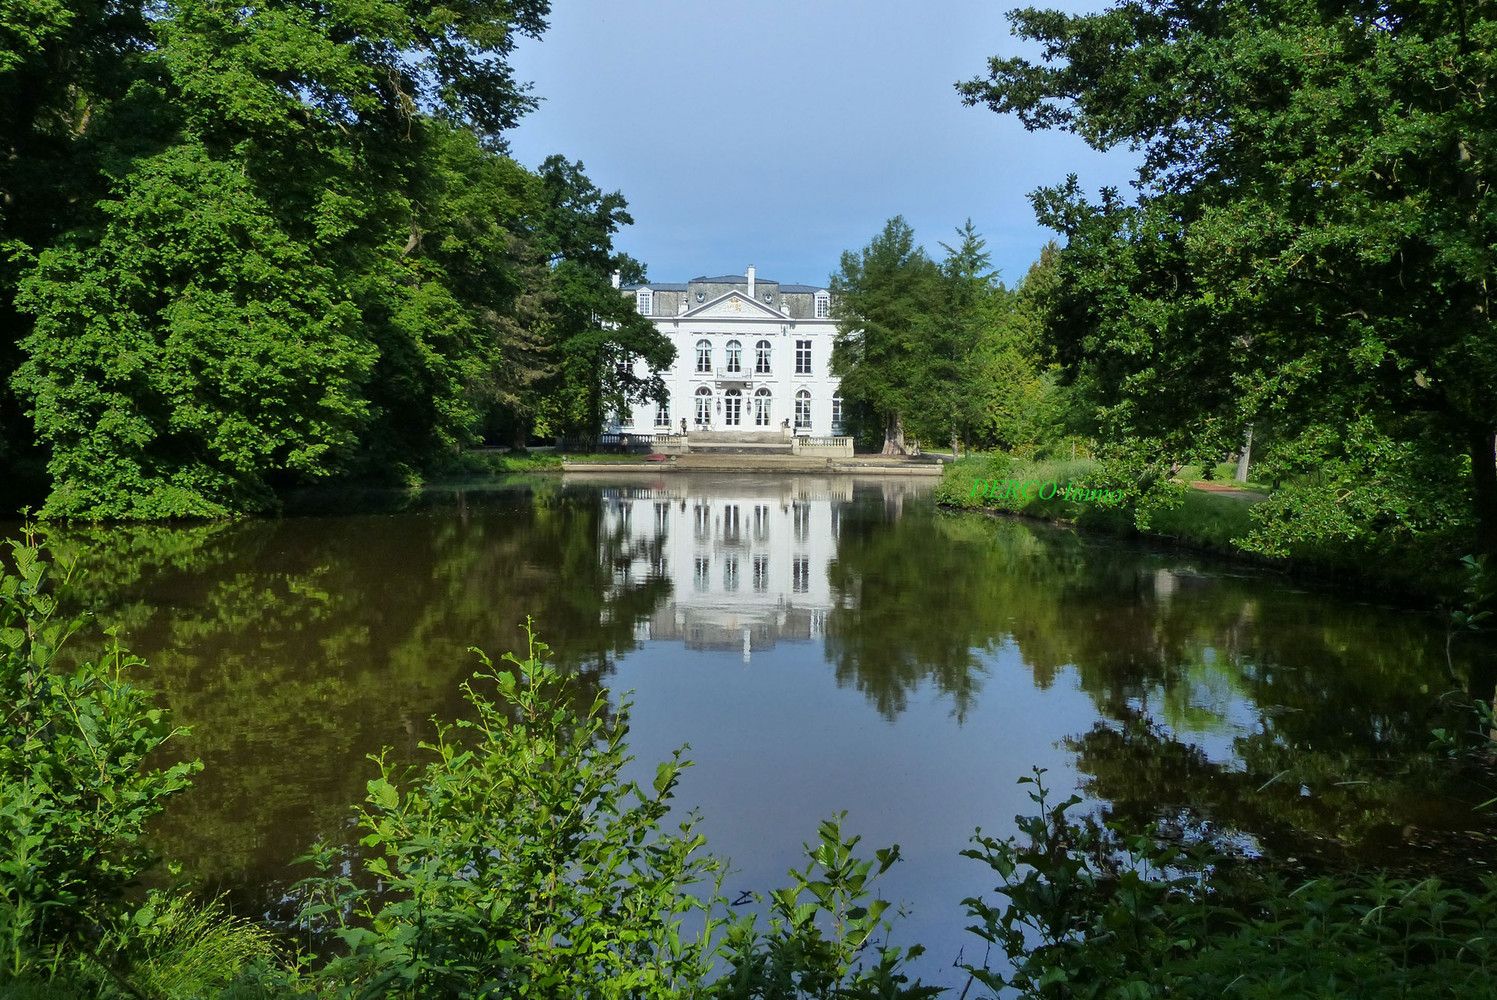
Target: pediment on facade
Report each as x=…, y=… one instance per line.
x=733, y=305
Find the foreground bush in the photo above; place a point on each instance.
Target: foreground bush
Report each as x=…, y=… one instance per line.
x=520, y=862
x=1097, y=912
x=76, y=792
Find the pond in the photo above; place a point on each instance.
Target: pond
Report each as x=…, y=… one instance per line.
x=821, y=644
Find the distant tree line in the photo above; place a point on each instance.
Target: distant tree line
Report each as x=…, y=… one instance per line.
x=943, y=352
x=253, y=246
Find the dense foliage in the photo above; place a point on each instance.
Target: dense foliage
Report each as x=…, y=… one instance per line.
x=942, y=350
x=1309, y=252
x=253, y=247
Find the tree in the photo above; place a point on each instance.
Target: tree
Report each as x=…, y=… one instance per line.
x=973, y=289
x=189, y=353
x=600, y=340
x=893, y=337
x=1309, y=251
x=247, y=247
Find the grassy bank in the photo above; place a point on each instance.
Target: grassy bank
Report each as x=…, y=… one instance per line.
x=1200, y=520
x=503, y=463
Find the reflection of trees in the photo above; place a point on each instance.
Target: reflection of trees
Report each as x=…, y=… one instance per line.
x=294, y=647
x=1338, y=699
x=1324, y=805
x=905, y=609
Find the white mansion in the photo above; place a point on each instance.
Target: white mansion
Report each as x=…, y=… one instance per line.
x=751, y=356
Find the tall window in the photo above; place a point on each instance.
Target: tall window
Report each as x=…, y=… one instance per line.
x=802, y=357
x=823, y=305
x=704, y=356
x=803, y=410
x=735, y=356
x=703, y=572
x=800, y=571
x=837, y=414
x=663, y=413
x=644, y=299
x=730, y=573
x=761, y=358
x=761, y=573
x=704, y=406
x=761, y=408
x=800, y=514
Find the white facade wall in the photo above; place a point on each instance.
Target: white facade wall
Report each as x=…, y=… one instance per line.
x=735, y=317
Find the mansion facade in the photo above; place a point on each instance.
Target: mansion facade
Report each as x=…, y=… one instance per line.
x=751, y=356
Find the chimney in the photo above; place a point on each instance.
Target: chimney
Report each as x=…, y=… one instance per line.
x=616, y=277
x=751, y=280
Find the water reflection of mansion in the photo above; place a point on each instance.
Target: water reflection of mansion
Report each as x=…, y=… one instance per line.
x=747, y=570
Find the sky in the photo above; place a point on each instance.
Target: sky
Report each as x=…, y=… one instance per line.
x=780, y=133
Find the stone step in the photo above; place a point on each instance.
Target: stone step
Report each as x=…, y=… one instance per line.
x=696, y=438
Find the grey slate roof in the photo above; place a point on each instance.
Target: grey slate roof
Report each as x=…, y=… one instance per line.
x=724, y=279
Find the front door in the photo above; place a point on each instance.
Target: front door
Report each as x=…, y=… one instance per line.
x=733, y=408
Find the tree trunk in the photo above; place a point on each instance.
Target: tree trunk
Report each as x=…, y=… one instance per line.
x=894, y=435
x=1246, y=456
x=1484, y=488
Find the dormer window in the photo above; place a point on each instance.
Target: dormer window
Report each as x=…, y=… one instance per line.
x=644, y=301
x=823, y=305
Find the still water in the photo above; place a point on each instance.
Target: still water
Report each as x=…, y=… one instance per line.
x=820, y=644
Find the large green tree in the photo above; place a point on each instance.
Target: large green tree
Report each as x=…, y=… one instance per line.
x=257, y=245
x=606, y=354
x=895, y=339
x=1310, y=249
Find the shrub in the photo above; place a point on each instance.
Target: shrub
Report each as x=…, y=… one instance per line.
x=1094, y=912
x=519, y=862
x=75, y=788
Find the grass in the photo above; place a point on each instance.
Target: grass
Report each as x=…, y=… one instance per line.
x=1202, y=520
x=1221, y=474
x=494, y=462
x=1208, y=521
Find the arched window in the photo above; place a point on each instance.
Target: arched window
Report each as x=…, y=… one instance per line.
x=735, y=356
x=704, y=406
x=761, y=358
x=823, y=305
x=732, y=407
x=663, y=413
x=644, y=300
x=803, y=410
x=704, y=356
x=761, y=408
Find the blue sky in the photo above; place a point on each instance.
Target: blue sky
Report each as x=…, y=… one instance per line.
x=780, y=134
